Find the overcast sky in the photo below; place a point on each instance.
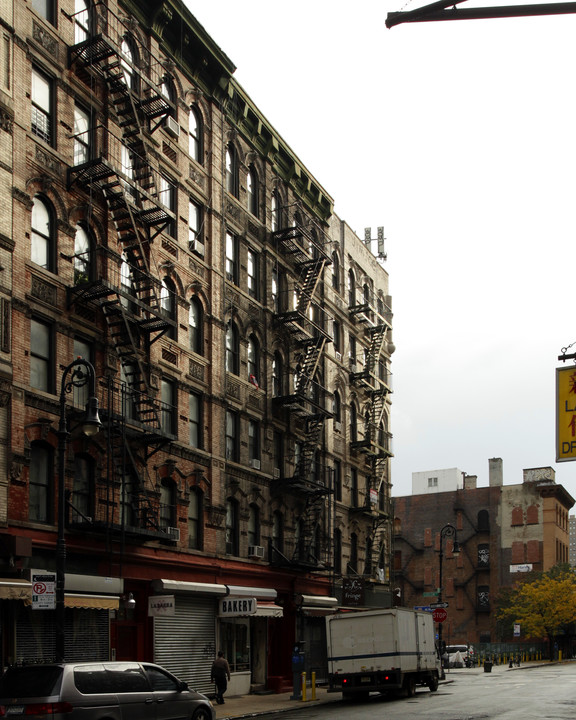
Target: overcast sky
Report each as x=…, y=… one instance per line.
x=460, y=139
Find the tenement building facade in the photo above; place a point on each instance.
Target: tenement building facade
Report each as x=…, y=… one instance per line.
x=173, y=274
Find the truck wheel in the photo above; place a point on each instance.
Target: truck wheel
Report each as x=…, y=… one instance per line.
x=433, y=683
x=409, y=686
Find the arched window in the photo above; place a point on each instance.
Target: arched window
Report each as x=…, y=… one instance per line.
x=195, y=325
x=232, y=349
x=353, y=423
x=128, y=495
x=43, y=243
x=169, y=406
x=81, y=500
x=81, y=20
x=232, y=529
x=82, y=255
x=275, y=290
x=275, y=211
x=252, y=191
x=40, y=507
x=337, y=551
x=337, y=407
x=351, y=288
x=231, y=170
x=277, y=375
x=483, y=521
x=129, y=61
x=353, y=563
x=253, y=360
x=195, y=519
x=254, y=525
x=335, y=272
x=168, y=89
x=168, y=304
x=278, y=531
x=195, y=135
x=167, y=504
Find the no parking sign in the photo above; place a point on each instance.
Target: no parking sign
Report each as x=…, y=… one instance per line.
x=43, y=591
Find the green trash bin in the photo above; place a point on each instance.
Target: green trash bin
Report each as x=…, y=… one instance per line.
x=487, y=666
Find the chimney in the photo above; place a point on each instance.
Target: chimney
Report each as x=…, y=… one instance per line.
x=495, y=472
x=470, y=482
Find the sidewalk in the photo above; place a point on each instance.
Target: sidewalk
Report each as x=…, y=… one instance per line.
x=247, y=706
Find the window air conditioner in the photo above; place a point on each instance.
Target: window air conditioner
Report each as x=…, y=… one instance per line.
x=337, y=426
x=198, y=247
x=255, y=463
x=276, y=473
x=256, y=551
x=172, y=127
x=174, y=533
x=338, y=356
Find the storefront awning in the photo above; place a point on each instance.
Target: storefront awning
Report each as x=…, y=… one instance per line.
x=16, y=590
x=92, y=602
x=181, y=586
x=319, y=601
x=269, y=610
x=317, y=611
x=257, y=592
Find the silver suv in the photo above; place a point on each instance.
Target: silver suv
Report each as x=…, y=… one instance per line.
x=100, y=691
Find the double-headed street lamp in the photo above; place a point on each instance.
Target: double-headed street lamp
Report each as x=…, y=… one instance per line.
x=448, y=531
x=78, y=374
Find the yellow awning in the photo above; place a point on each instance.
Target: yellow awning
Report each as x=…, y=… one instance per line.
x=16, y=590
x=92, y=602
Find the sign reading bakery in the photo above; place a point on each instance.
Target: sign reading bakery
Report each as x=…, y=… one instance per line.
x=237, y=607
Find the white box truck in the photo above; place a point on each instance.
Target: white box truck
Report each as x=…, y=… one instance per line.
x=381, y=651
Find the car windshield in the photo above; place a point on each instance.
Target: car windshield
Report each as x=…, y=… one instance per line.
x=31, y=681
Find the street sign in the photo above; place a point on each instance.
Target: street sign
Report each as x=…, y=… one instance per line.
x=565, y=413
x=423, y=608
x=43, y=591
x=439, y=615
x=439, y=605
x=434, y=593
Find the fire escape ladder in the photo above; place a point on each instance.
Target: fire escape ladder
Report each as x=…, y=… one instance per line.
x=308, y=363
x=376, y=553
x=310, y=274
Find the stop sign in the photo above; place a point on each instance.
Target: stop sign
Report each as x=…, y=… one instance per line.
x=439, y=615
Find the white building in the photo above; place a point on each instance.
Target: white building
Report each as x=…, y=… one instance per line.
x=433, y=481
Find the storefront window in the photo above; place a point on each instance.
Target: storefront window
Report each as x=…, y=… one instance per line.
x=235, y=635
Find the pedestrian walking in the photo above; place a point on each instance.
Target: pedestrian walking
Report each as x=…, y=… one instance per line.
x=220, y=674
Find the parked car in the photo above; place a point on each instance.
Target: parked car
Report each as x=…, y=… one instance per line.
x=460, y=655
x=98, y=691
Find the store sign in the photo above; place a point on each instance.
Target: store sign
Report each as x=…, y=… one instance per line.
x=525, y=567
x=237, y=607
x=43, y=591
x=161, y=605
x=352, y=591
x=565, y=414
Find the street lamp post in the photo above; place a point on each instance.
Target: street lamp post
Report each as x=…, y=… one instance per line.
x=448, y=531
x=76, y=375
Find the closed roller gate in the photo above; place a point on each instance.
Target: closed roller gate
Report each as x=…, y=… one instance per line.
x=87, y=635
x=185, y=643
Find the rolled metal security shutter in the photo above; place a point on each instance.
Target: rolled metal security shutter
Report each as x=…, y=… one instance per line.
x=185, y=643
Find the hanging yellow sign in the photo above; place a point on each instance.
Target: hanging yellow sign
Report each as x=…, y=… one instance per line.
x=565, y=413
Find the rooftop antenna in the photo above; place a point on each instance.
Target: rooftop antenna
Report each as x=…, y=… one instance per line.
x=381, y=254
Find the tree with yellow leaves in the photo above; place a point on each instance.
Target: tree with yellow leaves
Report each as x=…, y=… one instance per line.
x=544, y=605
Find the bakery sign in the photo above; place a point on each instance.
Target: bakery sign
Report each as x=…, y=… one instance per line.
x=237, y=607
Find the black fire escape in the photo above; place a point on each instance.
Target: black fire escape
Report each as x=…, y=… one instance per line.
x=305, y=400
x=120, y=283
x=373, y=379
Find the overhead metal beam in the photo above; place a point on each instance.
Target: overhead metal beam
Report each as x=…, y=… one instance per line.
x=448, y=11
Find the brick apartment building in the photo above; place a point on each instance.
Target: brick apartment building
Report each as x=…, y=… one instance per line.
x=156, y=225
x=502, y=530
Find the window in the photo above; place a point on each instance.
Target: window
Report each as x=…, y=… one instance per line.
x=195, y=524
x=6, y=62
x=195, y=239
x=337, y=341
x=337, y=408
x=195, y=420
x=335, y=272
x=40, y=485
x=195, y=135
x=353, y=564
x=82, y=256
x=81, y=20
x=168, y=406
x=278, y=531
x=82, y=349
x=252, y=191
x=168, y=89
x=232, y=444
x=231, y=258
x=128, y=500
x=82, y=136
x=232, y=530
x=253, y=360
x=253, y=275
x=168, y=305
x=44, y=8
x=254, y=525
x=275, y=211
x=126, y=284
x=129, y=61
x=277, y=375
x=483, y=597
x=337, y=481
x=195, y=323
x=235, y=642
x=432, y=482
x=42, y=110
x=127, y=168
x=231, y=170
x=167, y=504
x=278, y=454
x=353, y=487
x=82, y=493
x=232, y=349
x=483, y=555
x=483, y=520
x=167, y=196
x=41, y=361
x=254, y=444
x=337, y=551
x=353, y=423
x=275, y=299
x=42, y=250
x=352, y=352
x=351, y=289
